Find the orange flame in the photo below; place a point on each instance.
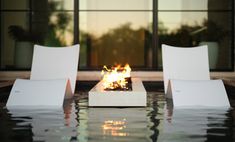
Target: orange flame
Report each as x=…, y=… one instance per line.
x=116, y=77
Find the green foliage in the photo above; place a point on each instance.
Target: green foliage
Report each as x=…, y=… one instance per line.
x=20, y=34
x=180, y=37
x=57, y=28
x=187, y=35
x=119, y=45
x=212, y=32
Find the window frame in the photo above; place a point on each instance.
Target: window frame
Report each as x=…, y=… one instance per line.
x=154, y=41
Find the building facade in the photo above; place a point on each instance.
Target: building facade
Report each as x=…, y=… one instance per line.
x=110, y=32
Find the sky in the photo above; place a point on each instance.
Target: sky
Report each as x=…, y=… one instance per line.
x=100, y=22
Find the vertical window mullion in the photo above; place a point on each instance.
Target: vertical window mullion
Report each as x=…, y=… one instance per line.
x=1, y=36
x=76, y=22
x=155, y=34
x=30, y=15
x=233, y=36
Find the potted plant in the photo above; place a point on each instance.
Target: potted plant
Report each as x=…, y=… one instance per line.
x=211, y=35
x=23, y=46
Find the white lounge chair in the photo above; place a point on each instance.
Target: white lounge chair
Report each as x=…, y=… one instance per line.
x=53, y=78
x=187, y=78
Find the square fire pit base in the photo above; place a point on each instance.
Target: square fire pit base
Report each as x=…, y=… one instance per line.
x=98, y=97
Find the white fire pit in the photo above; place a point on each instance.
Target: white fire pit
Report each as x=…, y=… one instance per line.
x=99, y=97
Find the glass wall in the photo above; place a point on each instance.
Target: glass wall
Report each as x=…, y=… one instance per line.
x=197, y=22
x=112, y=32
x=116, y=31
x=28, y=22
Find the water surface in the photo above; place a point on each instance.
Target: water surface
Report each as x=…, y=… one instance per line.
x=156, y=122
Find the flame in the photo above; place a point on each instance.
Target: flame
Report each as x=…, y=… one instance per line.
x=116, y=77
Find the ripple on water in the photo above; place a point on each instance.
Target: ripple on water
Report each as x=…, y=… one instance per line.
x=76, y=122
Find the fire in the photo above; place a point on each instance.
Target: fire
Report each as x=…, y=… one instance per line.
x=116, y=77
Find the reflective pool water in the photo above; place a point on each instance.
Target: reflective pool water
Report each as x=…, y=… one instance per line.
x=156, y=122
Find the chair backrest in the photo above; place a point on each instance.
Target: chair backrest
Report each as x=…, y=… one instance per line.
x=55, y=63
x=185, y=63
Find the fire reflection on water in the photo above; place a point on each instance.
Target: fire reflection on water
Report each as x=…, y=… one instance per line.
x=114, y=128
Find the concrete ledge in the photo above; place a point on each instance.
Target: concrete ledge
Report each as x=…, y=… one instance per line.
x=95, y=75
x=227, y=77
x=98, y=97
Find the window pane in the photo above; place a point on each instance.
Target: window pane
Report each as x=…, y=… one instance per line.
x=107, y=38
x=178, y=29
x=16, y=52
x=53, y=28
x=15, y=4
x=42, y=5
x=194, y=4
x=115, y=4
x=116, y=31
x=17, y=38
x=171, y=21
